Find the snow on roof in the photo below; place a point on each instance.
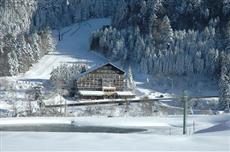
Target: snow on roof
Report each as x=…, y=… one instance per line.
x=91, y=93
x=101, y=93
x=97, y=67
x=125, y=93
x=5, y=106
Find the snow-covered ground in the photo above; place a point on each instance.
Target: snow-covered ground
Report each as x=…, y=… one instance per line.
x=212, y=133
x=207, y=133
x=22, y=141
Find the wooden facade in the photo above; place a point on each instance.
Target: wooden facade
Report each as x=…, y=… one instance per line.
x=106, y=79
x=106, y=76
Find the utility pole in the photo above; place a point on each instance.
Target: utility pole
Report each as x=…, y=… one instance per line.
x=185, y=103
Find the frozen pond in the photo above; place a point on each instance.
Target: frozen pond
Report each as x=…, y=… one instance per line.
x=69, y=128
x=157, y=130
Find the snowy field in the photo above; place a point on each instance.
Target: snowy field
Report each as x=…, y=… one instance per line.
x=212, y=133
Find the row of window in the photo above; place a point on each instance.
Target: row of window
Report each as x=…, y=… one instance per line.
x=104, y=83
x=97, y=76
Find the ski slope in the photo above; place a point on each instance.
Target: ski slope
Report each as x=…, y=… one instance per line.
x=73, y=48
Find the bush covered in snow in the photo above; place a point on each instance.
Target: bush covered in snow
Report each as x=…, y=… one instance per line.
x=64, y=76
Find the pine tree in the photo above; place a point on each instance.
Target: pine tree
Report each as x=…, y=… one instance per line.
x=224, y=85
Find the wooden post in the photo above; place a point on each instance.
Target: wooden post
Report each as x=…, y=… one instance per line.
x=193, y=126
x=60, y=101
x=59, y=34
x=65, y=111
x=126, y=105
x=170, y=131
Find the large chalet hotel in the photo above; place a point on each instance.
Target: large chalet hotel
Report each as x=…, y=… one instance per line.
x=106, y=81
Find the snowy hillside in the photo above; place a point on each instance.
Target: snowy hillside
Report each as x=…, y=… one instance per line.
x=168, y=53
x=175, y=40
x=166, y=88
x=73, y=48
x=23, y=23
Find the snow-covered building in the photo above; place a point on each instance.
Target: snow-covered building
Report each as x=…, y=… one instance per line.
x=104, y=81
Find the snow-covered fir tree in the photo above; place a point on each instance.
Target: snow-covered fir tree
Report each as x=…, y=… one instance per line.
x=225, y=82
x=130, y=84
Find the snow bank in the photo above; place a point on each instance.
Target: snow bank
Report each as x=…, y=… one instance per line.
x=224, y=126
x=29, y=141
